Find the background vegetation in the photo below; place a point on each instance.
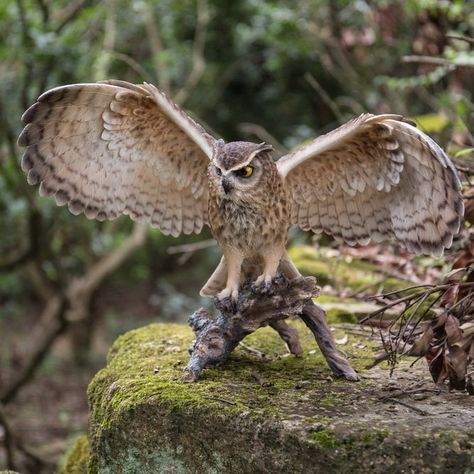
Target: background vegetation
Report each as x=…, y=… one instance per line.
x=275, y=70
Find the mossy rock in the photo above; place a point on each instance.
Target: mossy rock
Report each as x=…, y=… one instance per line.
x=144, y=419
x=77, y=458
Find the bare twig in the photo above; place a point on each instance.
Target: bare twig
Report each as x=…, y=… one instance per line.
x=156, y=46
x=134, y=65
x=8, y=440
x=71, y=12
x=219, y=399
x=263, y=382
x=433, y=60
x=192, y=247
x=253, y=351
x=407, y=405
x=468, y=39
x=26, y=43
x=324, y=96
x=85, y=285
x=198, y=60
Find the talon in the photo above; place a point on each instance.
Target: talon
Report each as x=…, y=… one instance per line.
x=228, y=304
x=264, y=285
x=280, y=279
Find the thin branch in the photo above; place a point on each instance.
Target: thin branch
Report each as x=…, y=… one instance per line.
x=433, y=60
x=192, y=247
x=468, y=39
x=135, y=65
x=43, y=6
x=198, y=60
x=156, y=46
x=71, y=12
x=8, y=440
x=85, y=285
x=26, y=44
x=324, y=96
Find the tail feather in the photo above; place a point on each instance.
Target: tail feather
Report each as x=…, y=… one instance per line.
x=217, y=280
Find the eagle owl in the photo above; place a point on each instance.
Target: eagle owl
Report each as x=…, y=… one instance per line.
x=115, y=148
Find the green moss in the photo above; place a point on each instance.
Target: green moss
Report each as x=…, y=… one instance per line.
x=77, y=458
x=145, y=366
x=325, y=439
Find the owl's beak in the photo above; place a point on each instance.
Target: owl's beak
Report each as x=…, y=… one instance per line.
x=226, y=185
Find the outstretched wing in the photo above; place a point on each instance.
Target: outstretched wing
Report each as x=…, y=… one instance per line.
x=374, y=178
x=115, y=148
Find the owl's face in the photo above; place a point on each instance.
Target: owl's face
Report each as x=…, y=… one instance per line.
x=239, y=167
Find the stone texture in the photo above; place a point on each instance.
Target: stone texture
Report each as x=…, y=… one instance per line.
x=281, y=414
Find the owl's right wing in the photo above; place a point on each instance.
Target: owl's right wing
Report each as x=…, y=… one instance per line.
x=115, y=148
x=375, y=177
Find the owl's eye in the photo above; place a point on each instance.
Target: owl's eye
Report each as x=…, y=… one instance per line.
x=218, y=171
x=245, y=172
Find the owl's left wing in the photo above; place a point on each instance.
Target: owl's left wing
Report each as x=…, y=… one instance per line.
x=374, y=178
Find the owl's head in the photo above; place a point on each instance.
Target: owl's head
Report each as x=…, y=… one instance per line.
x=237, y=167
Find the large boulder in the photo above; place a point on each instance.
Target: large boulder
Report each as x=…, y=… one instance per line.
x=280, y=414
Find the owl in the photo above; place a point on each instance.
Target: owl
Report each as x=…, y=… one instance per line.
x=114, y=148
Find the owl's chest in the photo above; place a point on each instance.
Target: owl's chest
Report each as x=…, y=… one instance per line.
x=249, y=226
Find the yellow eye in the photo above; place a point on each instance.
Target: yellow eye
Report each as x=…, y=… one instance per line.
x=246, y=172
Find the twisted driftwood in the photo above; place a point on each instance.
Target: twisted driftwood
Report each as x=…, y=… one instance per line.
x=217, y=337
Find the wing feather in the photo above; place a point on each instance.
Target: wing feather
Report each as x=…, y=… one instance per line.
x=375, y=178
x=115, y=148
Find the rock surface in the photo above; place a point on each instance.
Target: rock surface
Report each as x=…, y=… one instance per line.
x=280, y=414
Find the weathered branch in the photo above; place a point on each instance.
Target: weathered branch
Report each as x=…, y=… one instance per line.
x=217, y=337
x=315, y=318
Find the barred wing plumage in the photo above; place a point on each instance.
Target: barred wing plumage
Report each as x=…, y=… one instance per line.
x=376, y=177
x=113, y=148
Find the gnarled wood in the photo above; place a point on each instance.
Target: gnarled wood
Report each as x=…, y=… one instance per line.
x=217, y=337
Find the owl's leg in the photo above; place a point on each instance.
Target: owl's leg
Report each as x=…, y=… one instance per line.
x=271, y=261
x=233, y=259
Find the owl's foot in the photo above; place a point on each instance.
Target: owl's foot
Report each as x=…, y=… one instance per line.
x=263, y=285
x=226, y=305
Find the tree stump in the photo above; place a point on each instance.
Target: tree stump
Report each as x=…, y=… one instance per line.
x=217, y=337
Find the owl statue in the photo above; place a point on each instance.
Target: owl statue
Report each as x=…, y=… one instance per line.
x=113, y=148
